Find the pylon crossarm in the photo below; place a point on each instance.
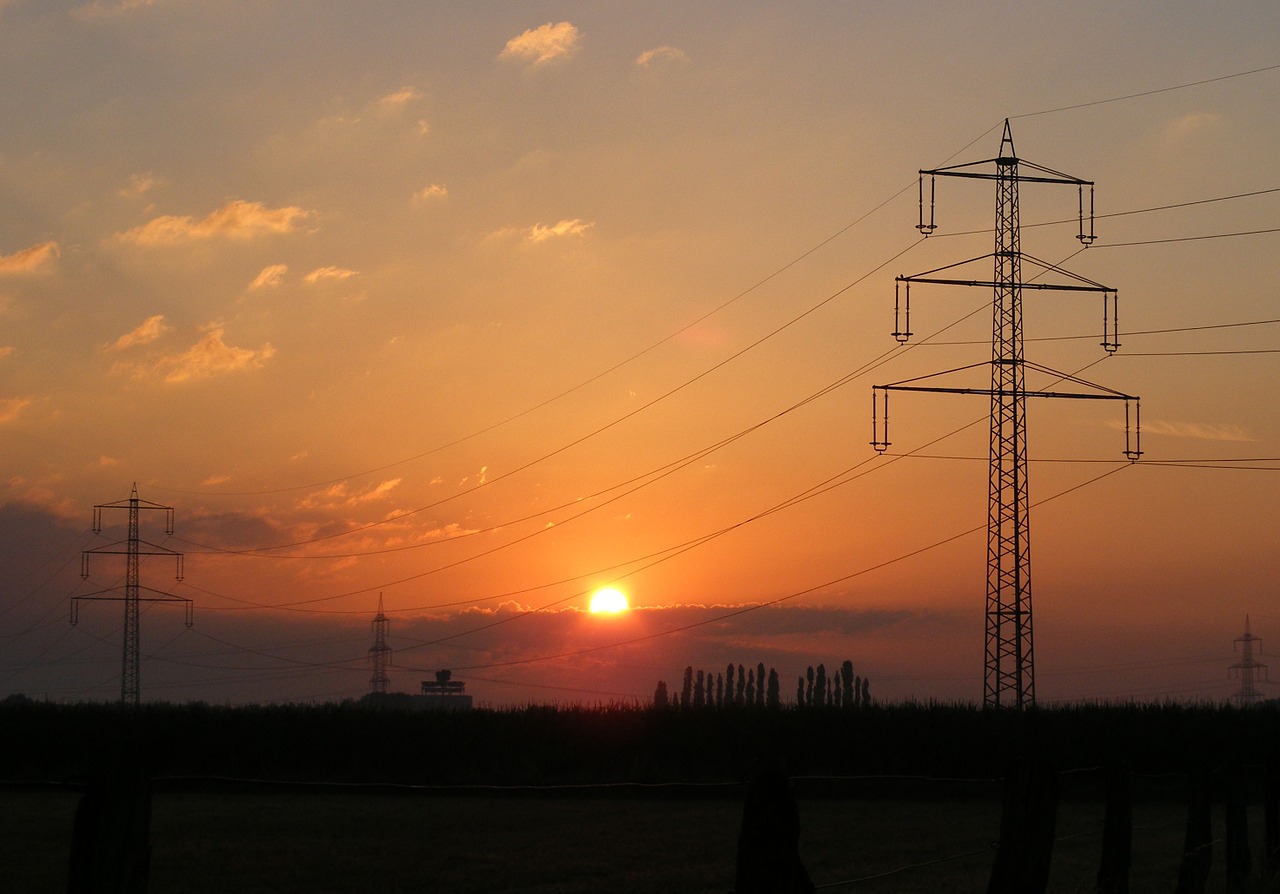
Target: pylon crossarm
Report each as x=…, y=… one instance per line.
x=110, y=596
x=1037, y=286
x=122, y=549
x=1003, y=392
x=1049, y=265
x=918, y=277
x=1060, y=376
x=957, y=171
x=900, y=385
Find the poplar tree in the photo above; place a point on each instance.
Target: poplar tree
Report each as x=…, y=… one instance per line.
x=699, y=691
x=760, y=685
x=742, y=685
x=808, y=689
x=719, y=690
x=686, y=689
x=820, y=686
x=774, y=698
x=751, y=688
x=728, y=682
x=660, y=695
x=846, y=681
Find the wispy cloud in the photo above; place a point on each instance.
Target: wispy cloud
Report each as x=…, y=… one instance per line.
x=270, y=277
x=1198, y=431
x=341, y=495
x=29, y=260
x=11, y=408
x=150, y=329
x=542, y=232
x=101, y=10
x=661, y=55
x=329, y=272
x=399, y=99
x=6, y=351
x=235, y=220
x=210, y=356
x=138, y=185
x=1190, y=124
x=434, y=191
x=543, y=44
x=575, y=227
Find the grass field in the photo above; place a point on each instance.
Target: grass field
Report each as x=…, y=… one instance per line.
x=346, y=842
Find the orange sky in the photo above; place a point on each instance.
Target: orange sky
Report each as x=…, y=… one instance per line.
x=483, y=309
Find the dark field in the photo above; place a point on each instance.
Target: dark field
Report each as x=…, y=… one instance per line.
x=306, y=842
x=614, y=799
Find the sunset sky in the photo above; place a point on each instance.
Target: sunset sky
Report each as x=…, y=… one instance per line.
x=480, y=308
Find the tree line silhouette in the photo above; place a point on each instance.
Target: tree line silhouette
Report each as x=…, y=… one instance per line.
x=750, y=687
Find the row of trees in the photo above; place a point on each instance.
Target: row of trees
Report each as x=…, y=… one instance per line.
x=741, y=686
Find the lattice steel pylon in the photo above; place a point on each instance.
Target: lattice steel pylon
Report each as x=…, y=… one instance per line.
x=1010, y=669
x=1246, y=669
x=132, y=595
x=380, y=652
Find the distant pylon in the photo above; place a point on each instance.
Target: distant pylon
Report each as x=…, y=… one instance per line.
x=380, y=652
x=1245, y=669
x=129, y=673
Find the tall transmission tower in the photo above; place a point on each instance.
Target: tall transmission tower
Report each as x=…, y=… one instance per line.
x=1246, y=668
x=1010, y=670
x=380, y=651
x=133, y=549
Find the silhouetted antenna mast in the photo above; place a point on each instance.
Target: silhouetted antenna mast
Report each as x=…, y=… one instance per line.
x=133, y=550
x=380, y=652
x=1010, y=677
x=1246, y=668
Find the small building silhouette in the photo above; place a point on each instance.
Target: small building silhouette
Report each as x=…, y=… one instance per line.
x=443, y=694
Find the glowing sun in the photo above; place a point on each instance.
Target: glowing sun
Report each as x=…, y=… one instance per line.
x=608, y=601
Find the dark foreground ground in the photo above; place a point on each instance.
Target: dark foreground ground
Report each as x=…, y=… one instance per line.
x=277, y=841
x=348, y=798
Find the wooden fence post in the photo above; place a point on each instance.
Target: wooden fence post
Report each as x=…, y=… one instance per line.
x=1238, y=858
x=1197, y=847
x=1117, y=834
x=110, y=844
x=1026, y=830
x=1271, y=816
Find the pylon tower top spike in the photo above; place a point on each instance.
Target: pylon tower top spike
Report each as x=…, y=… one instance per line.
x=1007, y=140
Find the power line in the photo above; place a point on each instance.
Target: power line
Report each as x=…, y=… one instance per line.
x=779, y=600
x=1154, y=208
x=1145, y=93
x=1128, y=334
x=595, y=432
x=1186, y=238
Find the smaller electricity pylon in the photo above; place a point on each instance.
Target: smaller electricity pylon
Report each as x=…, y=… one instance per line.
x=1246, y=668
x=133, y=549
x=380, y=652
x=1010, y=669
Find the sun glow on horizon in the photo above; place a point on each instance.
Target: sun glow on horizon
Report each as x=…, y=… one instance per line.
x=608, y=601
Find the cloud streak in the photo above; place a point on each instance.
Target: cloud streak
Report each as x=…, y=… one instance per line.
x=236, y=220
x=330, y=272
x=35, y=259
x=150, y=329
x=661, y=55
x=270, y=277
x=1198, y=431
